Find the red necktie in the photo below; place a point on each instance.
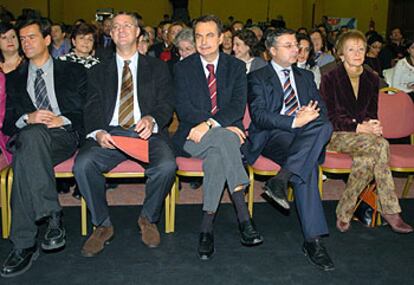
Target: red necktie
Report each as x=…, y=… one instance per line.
x=212, y=87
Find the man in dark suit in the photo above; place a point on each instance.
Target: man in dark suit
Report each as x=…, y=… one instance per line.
x=44, y=119
x=105, y=45
x=211, y=98
x=128, y=94
x=290, y=126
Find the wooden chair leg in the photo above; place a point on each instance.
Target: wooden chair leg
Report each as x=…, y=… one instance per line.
x=9, y=189
x=320, y=182
x=84, y=217
x=407, y=186
x=174, y=195
x=251, y=191
x=167, y=212
x=4, y=202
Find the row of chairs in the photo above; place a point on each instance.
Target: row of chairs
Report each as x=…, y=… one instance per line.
x=396, y=112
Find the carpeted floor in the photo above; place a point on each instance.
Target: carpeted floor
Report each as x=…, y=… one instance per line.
x=361, y=256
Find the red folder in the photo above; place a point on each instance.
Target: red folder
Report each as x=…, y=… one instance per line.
x=135, y=147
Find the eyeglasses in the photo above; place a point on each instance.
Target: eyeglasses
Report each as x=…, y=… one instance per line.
x=126, y=26
x=289, y=46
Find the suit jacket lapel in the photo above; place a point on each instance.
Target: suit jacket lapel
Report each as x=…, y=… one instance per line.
x=111, y=85
x=143, y=79
x=300, y=86
x=22, y=86
x=200, y=77
x=221, y=76
x=274, y=81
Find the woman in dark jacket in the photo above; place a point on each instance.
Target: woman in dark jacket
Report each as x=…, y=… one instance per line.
x=351, y=96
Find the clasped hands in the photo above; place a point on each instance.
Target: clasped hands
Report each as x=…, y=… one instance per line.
x=46, y=117
x=197, y=132
x=370, y=127
x=143, y=128
x=306, y=114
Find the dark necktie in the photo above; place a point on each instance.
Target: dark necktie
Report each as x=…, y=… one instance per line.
x=289, y=99
x=41, y=98
x=212, y=86
x=126, y=100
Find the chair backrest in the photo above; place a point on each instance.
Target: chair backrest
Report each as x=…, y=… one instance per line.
x=396, y=113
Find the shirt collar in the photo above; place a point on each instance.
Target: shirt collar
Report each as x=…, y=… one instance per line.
x=214, y=62
x=45, y=67
x=279, y=69
x=133, y=59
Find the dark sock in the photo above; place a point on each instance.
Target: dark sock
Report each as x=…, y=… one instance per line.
x=284, y=174
x=240, y=205
x=207, y=222
x=54, y=220
x=106, y=222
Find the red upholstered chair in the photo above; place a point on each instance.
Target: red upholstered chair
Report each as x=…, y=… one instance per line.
x=335, y=163
x=126, y=169
x=396, y=113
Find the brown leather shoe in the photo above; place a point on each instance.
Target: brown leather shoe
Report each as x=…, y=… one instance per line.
x=100, y=237
x=397, y=224
x=343, y=227
x=150, y=235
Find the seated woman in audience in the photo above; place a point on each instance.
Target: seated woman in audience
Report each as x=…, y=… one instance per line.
x=375, y=42
x=143, y=42
x=227, y=44
x=184, y=42
x=306, y=57
x=351, y=95
x=83, y=40
x=319, y=43
x=403, y=78
x=10, y=57
x=244, y=46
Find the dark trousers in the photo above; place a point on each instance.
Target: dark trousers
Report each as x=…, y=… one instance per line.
x=93, y=160
x=299, y=152
x=36, y=150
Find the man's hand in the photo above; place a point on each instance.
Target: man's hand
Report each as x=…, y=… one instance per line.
x=307, y=114
x=41, y=117
x=56, y=122
x=197, y=133
x=238, y=132
x=105, y=140
x=145, y=127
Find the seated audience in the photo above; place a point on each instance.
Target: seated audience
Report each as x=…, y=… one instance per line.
x=393, y=50
x=322, y=57
x=227, y=44
x=290, y=127
x=60, y=44
x=403, y=78
x=244, y=47
x=210, y=101
x=351, y=94
x=10, y=57
x=374, y=42
x=143, y=42
x=306, y=57
x=184, y=42
x=83, y=41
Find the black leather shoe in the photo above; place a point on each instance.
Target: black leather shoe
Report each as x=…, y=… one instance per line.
x=276, y=189
x=318, y=255
x=55, y=236
x=19, y=261
x=249, y=236
x=76, y=193
x=206, y=246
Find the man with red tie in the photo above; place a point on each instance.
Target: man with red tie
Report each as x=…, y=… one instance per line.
x=211, y=90
x=290, y=126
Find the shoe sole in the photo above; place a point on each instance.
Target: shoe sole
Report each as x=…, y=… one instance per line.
x=106, y=243
x=253, y=243
x=317, y=265
x=53, y=247
x=204, y=257
x=280, y=202
x=28, y=266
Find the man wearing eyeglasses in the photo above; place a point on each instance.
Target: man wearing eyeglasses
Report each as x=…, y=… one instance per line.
x=290, y=127
x=129, y=95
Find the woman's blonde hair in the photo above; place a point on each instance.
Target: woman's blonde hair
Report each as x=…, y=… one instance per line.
x=350, y=35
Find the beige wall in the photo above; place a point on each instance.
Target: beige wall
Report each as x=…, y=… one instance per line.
x=296, y=12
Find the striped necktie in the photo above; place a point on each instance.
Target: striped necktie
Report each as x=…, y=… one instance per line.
x=212, y=87
x=126, y=100
x=289, y=98
x=41, y=99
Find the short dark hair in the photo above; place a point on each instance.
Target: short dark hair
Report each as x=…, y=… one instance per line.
x=131, y=14
x=272, y=37
x=84, y=29
x=209, y=18
x=249, y=38
x=43, y=24
x=311, y=57
x=4, y=28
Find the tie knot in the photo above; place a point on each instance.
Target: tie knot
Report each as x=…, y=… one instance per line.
x=39, y=72
x=210, y=68
x=126, y=63
x=286, y=72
